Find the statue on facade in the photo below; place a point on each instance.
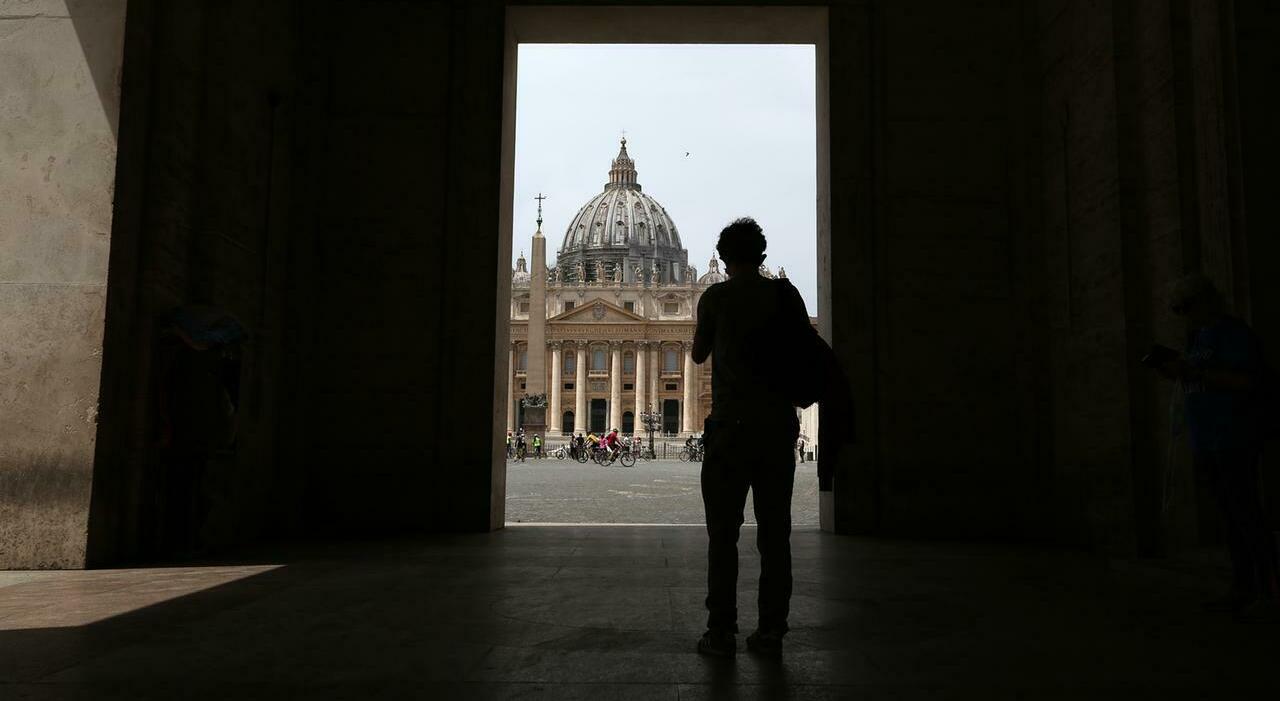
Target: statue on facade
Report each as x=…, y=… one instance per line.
x=559, y=274
x=599, y=272
x=582, y=273
x=637, y=274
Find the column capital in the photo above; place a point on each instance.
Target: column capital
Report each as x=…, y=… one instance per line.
x=642, y=344
x=555, y=345
x=686, y=346
x=615, y=345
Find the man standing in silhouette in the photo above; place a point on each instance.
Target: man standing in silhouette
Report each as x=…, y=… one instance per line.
x=746, y=324
x=1223, y=377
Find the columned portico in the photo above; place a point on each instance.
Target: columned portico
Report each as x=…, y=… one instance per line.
x=554, y=421
x=580, y=390
x=615, y=385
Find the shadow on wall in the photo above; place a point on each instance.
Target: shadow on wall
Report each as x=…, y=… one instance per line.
x=97, y=26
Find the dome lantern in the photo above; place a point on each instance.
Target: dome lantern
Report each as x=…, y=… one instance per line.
x=622, y=173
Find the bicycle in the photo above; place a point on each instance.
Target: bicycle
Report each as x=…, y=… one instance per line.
x=622, y=455
x=692, y=454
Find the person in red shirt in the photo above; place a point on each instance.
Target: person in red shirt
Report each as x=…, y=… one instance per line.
x=610, y=442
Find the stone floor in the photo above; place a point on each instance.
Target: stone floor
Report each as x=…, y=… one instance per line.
x=657, y=491
x=612, y=613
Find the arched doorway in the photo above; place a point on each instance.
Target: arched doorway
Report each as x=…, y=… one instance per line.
x=628, y=423
x=566, y=423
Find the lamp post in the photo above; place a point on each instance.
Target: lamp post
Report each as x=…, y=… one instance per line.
x=651, y=419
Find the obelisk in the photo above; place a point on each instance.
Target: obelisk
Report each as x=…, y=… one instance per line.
x=535, y=408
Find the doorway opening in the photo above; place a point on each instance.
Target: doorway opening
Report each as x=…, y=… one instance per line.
x=599, y=410
x=612, y=205
x=670, y=416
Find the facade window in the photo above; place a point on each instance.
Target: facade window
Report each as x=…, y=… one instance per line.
x=570, y=363
x=667, y=307
x=599, y=360
x=569, y=305
x=628, y=386
x=671, y=386
x=522, y=359
x=670, y=360
x=568, y=385
x=629, y=306
x=524, y=307
x=629, y=363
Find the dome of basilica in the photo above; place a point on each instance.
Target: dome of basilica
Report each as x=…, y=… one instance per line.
x=624, y=226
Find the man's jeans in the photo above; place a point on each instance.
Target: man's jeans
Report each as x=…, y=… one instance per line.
x=1252, y=546
x=741, y=456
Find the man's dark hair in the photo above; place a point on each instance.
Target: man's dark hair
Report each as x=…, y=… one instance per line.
x=742, y=241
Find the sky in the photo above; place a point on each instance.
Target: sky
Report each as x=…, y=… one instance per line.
x=716, y=132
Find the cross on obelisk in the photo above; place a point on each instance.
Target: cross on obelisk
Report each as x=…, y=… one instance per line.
x=540, y=198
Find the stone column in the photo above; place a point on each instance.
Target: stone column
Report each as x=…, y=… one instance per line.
x=553, y=421
x=655, y=375
x=580, y=386
x=511, y=387
x=642, y=359
x=615, y=386
x=690, y=388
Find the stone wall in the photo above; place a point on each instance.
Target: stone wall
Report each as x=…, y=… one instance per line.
x=203, y=217
x=59, y=102
x=401, y=125
x=929, y=172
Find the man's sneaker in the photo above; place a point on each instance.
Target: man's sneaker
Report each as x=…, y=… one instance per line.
x=1260, y=611
x=1230, y=602
x=765, y=644
x=717, y=644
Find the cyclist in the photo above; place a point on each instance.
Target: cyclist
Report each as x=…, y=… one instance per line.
x=537, y=446
x=694, y=445
x=610, y=443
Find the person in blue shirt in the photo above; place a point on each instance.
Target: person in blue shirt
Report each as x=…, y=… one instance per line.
x=1222, y=375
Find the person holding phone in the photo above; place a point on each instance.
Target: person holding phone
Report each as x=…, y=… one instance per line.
x=1222, y=375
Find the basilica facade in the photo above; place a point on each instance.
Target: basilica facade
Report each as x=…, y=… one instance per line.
x=606, y=333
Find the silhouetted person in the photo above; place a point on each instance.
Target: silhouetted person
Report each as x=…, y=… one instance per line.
x=1222, y=377
x=744, y=325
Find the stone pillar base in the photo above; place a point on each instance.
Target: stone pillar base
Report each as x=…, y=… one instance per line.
x=535, y=422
